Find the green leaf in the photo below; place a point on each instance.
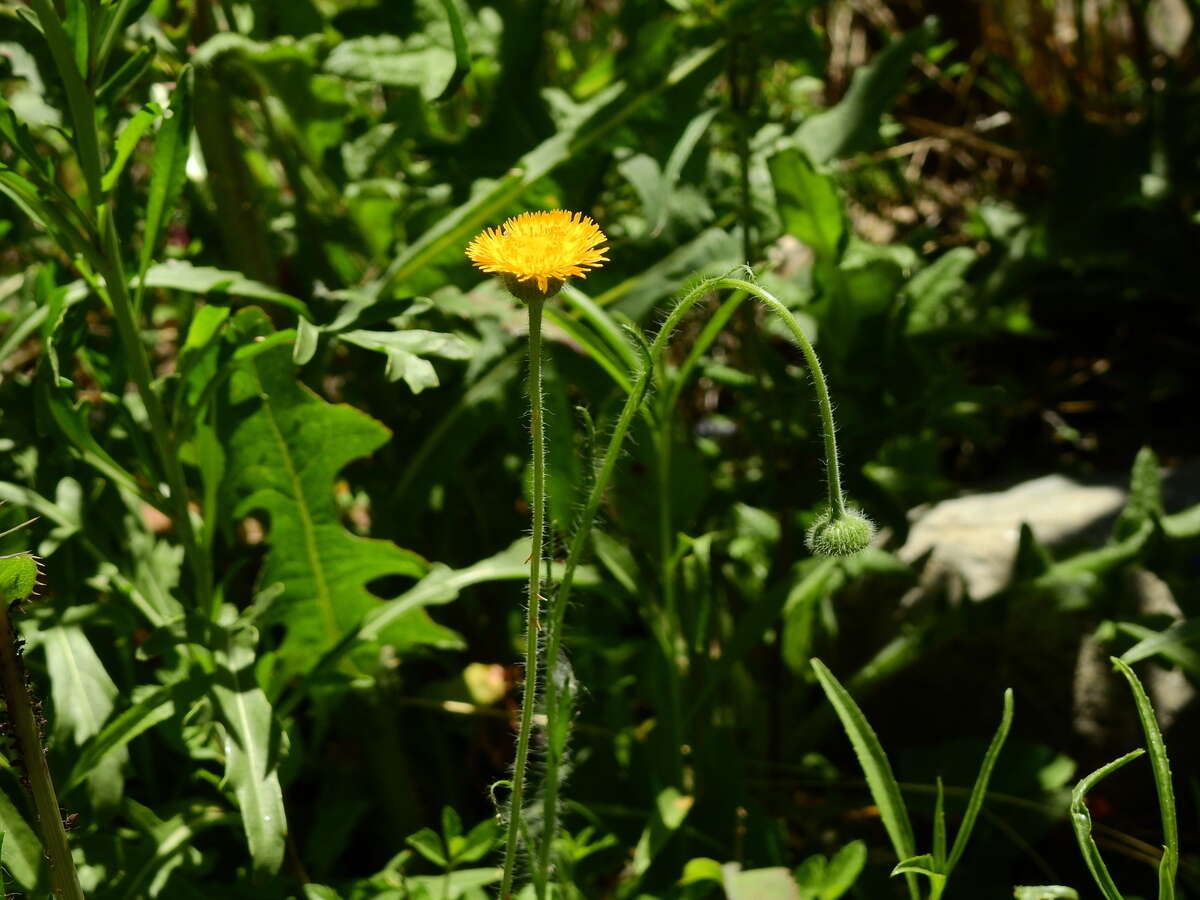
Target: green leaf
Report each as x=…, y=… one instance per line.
x=285, y=446
x=775, y=883
x=405, y=352
x=809, y=203
x=81, y=688
x=1184, y=524
x=1081, y=821
x=1145, y=496
x=180, y=275
x=878, y=771
x=701, y=869
x=1160, y=765
x=113, y=89
x=939, y=826
x=154, y=706
x=1044, y=892
x=843, y=870
x=170, y=171
x=428, y=843
x=979, y=791
x=931, y=293
x=670, y=809
x=18, y=577
x=84, y=696
x=417, y=61
x=477, y=843
x=853, y=124
x=923, y=864
x=462, y=53
x=250, y=764
x=456, y=885
x=21, y=853
x=1171, y=643
x=79, y=98
x=127, y=140
x=72, y=423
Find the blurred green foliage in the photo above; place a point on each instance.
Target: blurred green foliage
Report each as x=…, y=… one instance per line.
x=987, y=221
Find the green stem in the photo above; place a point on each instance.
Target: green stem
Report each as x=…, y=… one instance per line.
x=837, y=502
x=608, y=464
x=529, y=694
x=64, y=881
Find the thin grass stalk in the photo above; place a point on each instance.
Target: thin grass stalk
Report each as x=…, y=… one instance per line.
x=530, y=691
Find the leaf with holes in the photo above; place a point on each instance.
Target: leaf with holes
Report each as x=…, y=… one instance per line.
x=285, y=446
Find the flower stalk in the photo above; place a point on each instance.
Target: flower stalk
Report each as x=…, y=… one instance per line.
x=537, y=544
x=838, y=514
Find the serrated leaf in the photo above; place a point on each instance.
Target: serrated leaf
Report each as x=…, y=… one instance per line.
x=285, y=446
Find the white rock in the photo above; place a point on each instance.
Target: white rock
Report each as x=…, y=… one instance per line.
x=977, y=536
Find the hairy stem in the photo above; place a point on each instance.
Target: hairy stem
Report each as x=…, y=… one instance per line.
x=529, y=694
x=64, y=882
x=633, y=404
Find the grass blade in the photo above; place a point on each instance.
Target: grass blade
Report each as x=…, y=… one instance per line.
x=1161, y=766
x=884, y=789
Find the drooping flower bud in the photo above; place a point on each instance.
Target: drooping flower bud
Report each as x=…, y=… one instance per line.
x=839, y=535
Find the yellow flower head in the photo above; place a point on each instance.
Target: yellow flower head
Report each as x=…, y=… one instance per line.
x=534, y=253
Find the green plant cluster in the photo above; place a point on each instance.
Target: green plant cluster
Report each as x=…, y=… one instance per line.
x=267, y=433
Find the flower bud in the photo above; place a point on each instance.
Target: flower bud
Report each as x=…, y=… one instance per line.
x=839, y=535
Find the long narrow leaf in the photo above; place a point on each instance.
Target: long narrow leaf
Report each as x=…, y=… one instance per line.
x=882, y=783
x=1081, y=821
x=170, y=164
x=1161, y=766
x=981, y=783
x=79, y=98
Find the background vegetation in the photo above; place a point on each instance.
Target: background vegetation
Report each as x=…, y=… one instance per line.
x=232, y=280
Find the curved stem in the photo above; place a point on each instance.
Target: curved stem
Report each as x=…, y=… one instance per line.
x=837, y=502
x=633, y=403
x=529, y=694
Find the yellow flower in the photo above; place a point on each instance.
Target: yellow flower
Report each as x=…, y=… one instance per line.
x=534, y=253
